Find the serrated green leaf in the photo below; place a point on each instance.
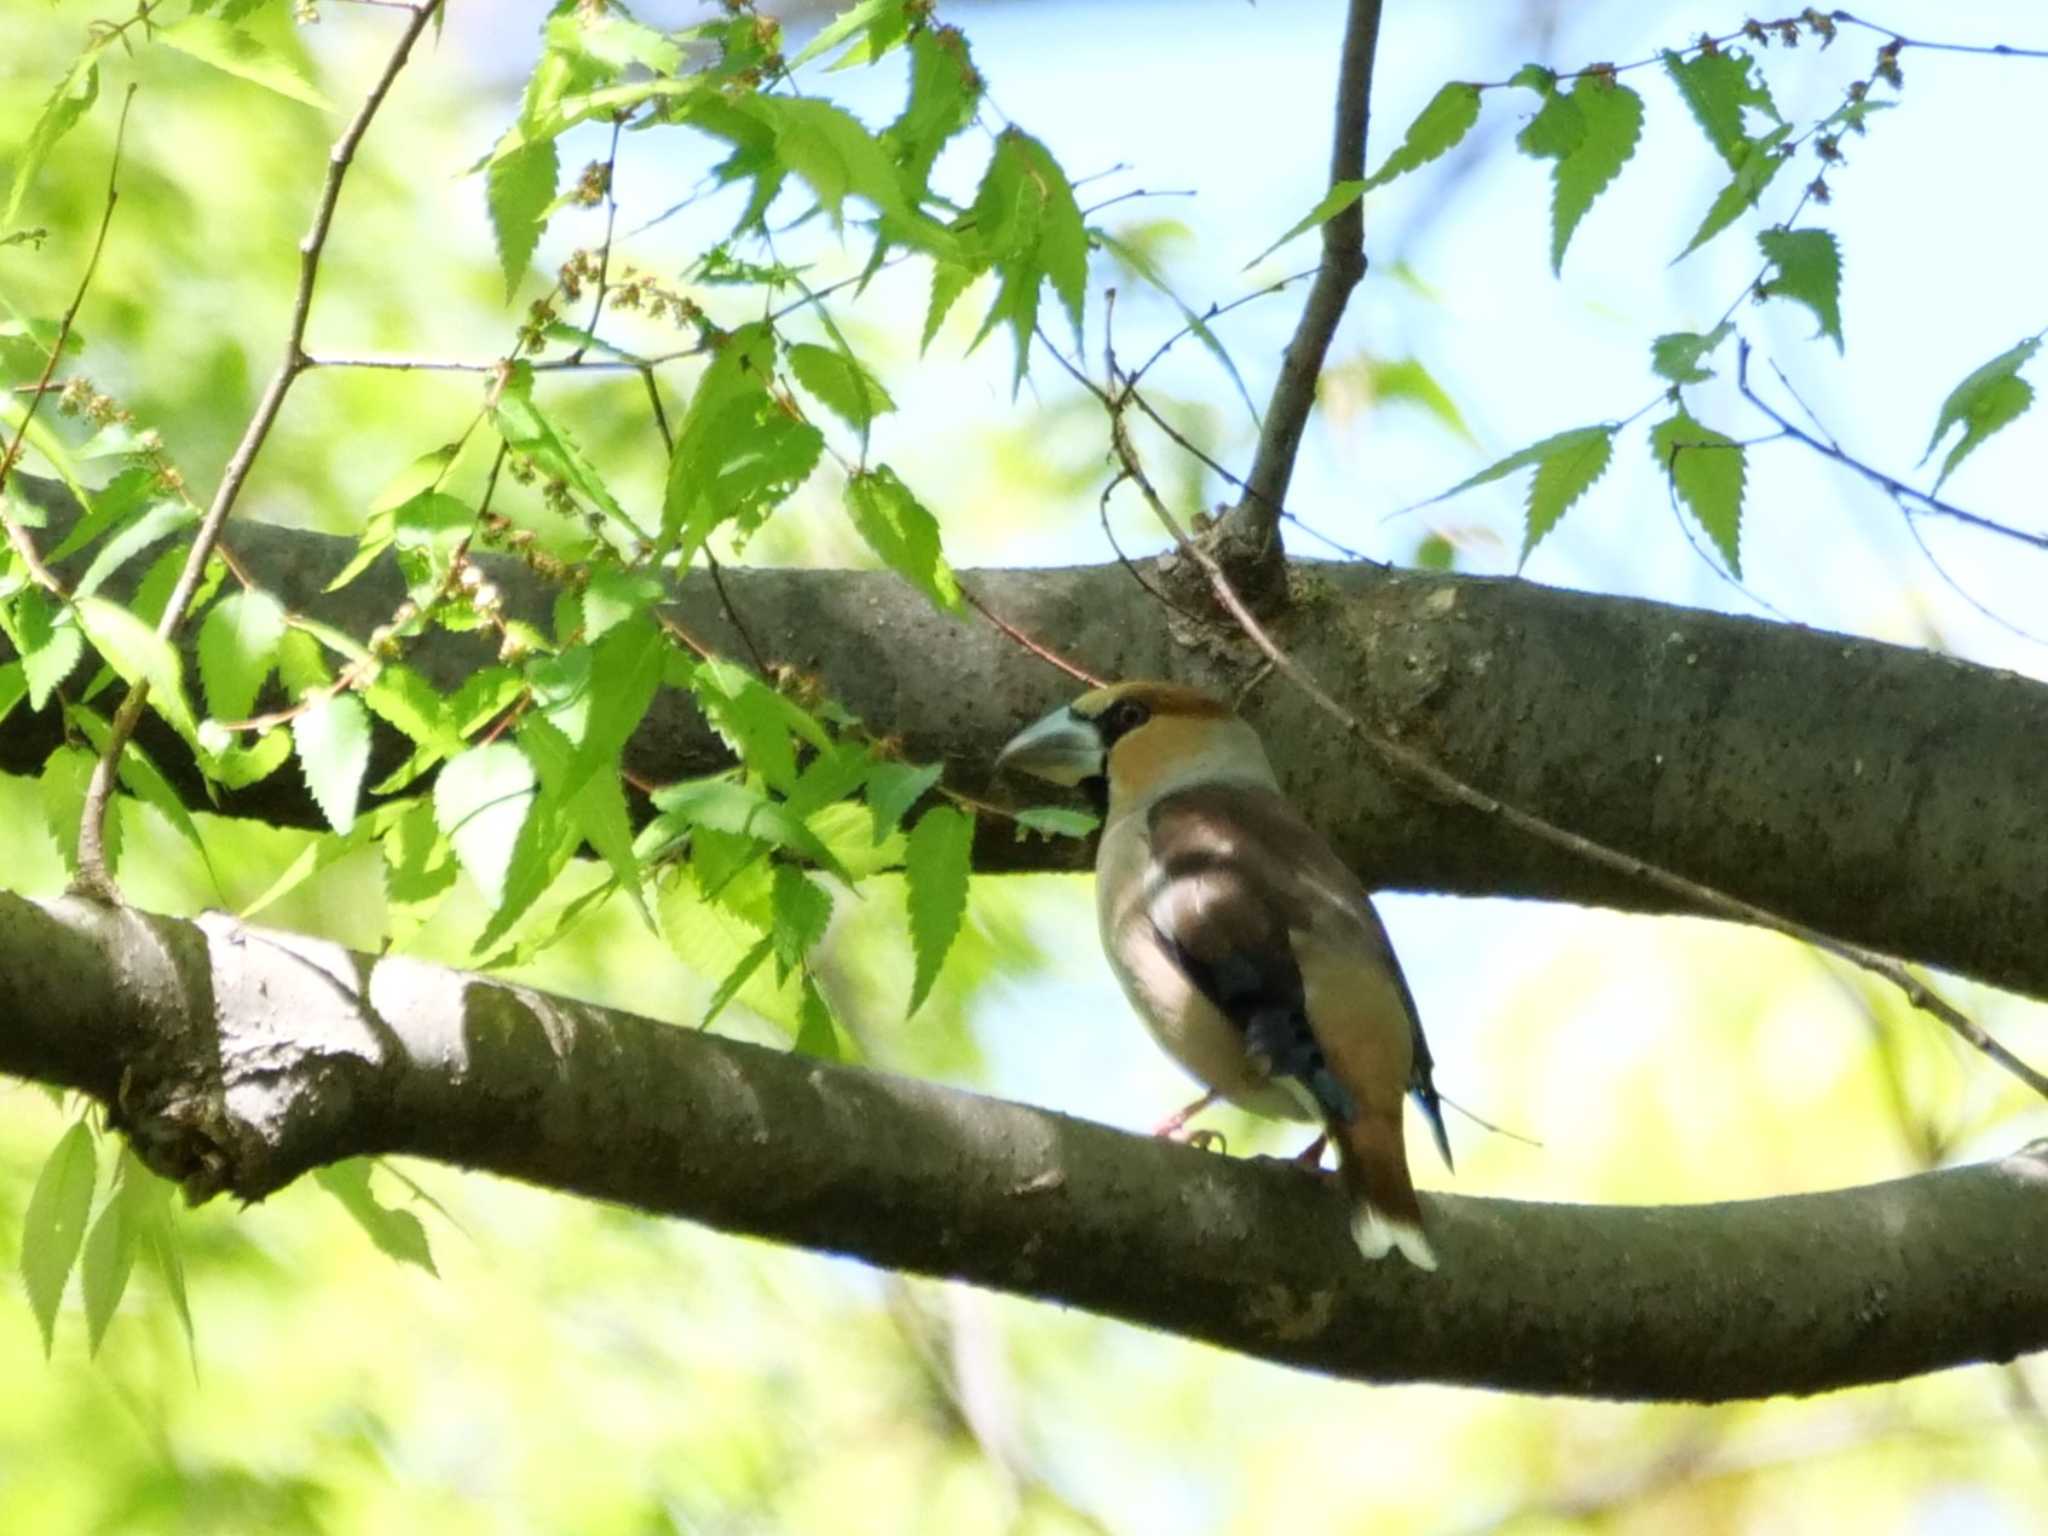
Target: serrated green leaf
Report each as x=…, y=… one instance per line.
x=945, y=91
x=1761, y=160
x=237, y=650
x=849, y=21
x=141, y=656
x=333, y=742
x=54, y=1226
x=1706, y=469
x=903, y=533
x=1029, y=229
x=1808, y=270
x=406, y=701
x=140, y=776
x=936, y=863
x=49, y=650
x=1560, y=444
x=1561, y=478
x=949, y=281
x=815, y=1035
x=735, y=978
x=611, y=42
x=149, y=1210
x=1342, y=195
x=235, y=767
x=156, y=523
x=1613, y=116
x=60, y=790
x=528, y=430
x=1678, y=355
x=235, y=52
x=1989, y=399
x=481, y=802
x=1055, y=821
x=108, y=1260
x=13, y=687
x=801, y=909
x=397, y=1234
x=519, y=191
x=1436, y=131
x=1717, y=86
x=1407, y=379
x=724, y=806
x=614, y=595
x=840, y=383
x=749, y=716
x=68, y=104
x=740, y=452
x=893, y=788
x=1558, y=127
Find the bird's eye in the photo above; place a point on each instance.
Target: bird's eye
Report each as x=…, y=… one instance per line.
x=1128, y=715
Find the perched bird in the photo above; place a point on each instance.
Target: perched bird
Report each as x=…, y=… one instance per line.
x=1243, y=941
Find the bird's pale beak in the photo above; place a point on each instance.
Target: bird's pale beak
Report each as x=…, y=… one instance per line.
x=1062, y=747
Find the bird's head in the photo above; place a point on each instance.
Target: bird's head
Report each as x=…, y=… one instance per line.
x=1137, y=741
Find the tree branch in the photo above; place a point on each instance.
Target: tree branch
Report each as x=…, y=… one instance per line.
x=1876, y=793
x=238, y=1059
x=1294, y=394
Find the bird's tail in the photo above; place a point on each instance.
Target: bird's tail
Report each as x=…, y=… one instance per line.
x=1385, y=1215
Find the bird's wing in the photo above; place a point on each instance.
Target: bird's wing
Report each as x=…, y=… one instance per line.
x=1251, y=896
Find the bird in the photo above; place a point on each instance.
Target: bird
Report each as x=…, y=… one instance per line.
x=1244, y=943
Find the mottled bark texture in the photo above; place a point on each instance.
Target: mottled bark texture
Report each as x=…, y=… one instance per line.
x=239, y=1058
x=1880, y=794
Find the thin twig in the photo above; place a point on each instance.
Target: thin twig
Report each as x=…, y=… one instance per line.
x=1043, y=652
x=604, y=252
x=1294, y=393
x=1899, y=39
x=92, y=878
x=23, y=542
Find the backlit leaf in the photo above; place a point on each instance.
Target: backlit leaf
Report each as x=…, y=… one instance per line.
x=481, y=802
x=906, y=536
x=1807, y=269
x=53, y=1228
x=1991, y=398
x=1706, y=469
x=1436, y=130
x=936, y=864
x=333, y=742
x=212, y=41
x=237, y=649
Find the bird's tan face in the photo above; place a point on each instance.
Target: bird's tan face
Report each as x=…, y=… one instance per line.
x=1132, y=734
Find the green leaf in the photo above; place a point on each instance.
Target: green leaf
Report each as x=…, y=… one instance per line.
x=736, y=978
x=1407, y=379
x=149, y=1210
x=1558, y=127
x=108, y=1260
x=905, y=535
x=401, y=698
x=13, y=687
x=724, y=806
x=1991, y=398
x=48, y=652
x=752, y=718
x=608, y=41
x=1055, y=821
x=1436, y=130
x=72, y=99
x=841, y=384
x=827, y=147
x=1613, y=121
x=212, y=41
x=1132, y=254
x=141, y=656
x=158, y=522
x=397, y=1234
x=237, y=649
x=893, y=788
x=936, y=865
x=949, y=281
x=54, y=1226
x=945, y=91
x=1717, y=87
x=481, y=802
x=1561, y=479
x=1706, y=470
x=140, y=776
x=519, y=191
x=1029, y=229
x=333, y=741
x=801, y=909
x=528, y=430
x=815, y=1035
x=849, y=21
x=1759, y=165
x=1808, y=271
x=1341, y=195
x=1679, y=355
x=740, y=452
x=60, y=790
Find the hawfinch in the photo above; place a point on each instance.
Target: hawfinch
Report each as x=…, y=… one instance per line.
x=1244, y=943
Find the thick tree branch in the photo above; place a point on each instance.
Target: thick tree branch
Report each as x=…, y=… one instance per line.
x=238, y=1059
x=1879, y=794
x=1294, y=394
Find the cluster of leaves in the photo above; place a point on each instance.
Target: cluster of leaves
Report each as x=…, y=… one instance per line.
x=510, y=776
x=1588, y=133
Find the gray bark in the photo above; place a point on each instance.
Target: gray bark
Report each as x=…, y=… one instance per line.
x=1879, y=794
x=237, y=1059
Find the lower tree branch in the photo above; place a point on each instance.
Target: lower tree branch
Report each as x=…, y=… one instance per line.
x=237, y=1059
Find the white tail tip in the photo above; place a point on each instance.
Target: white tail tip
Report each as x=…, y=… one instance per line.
x=1378, y=1234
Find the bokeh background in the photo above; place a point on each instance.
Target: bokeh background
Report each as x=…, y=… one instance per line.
x=574, y=1368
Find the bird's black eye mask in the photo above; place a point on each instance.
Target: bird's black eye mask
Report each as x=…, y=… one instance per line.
x=1119, y=720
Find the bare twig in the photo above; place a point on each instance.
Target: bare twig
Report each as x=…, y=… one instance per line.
x=18, y=536
x=1043, y=652
x=1900, y=40
x=92, y=878
x=1294, y=393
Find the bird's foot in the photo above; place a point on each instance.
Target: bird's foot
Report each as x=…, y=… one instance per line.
x=1174, y=1127
x=1311, y=1156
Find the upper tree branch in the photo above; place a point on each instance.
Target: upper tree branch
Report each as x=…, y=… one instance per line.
x=1878, y=794
x=1294, y=394
x=238, y=1059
